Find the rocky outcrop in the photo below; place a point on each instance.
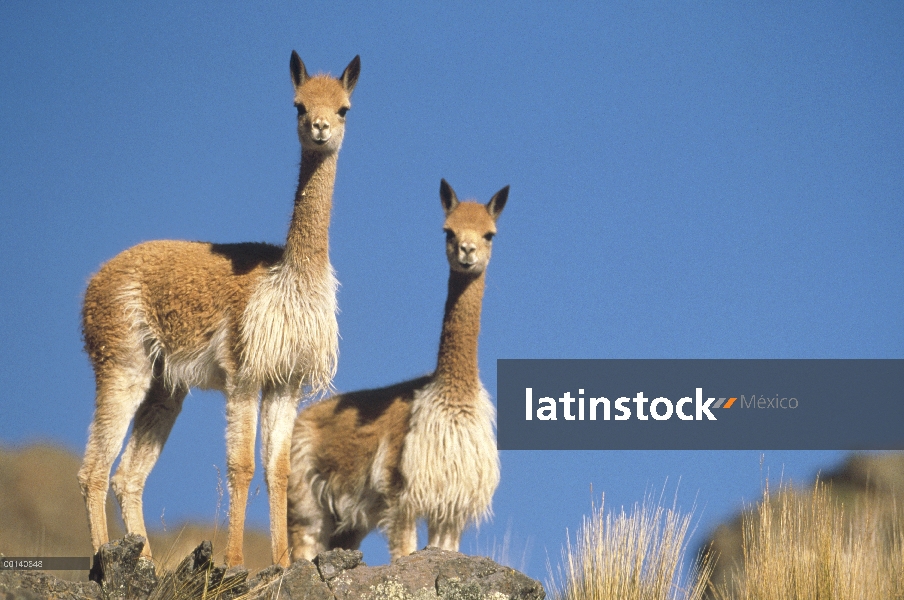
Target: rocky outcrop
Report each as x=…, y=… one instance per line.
x=36, y=585
x=120, y=572
x=424, y=575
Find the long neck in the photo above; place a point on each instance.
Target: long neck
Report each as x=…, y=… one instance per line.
x=307, y=245
x=456, y=367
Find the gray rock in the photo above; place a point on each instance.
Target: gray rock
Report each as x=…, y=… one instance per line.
x=120, y=570
x=435, y=573
x=301, y=581
x=431, y=574
x=334, y=563
x=37, y=585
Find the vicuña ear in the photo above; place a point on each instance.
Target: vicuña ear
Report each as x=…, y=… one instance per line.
x=497, y=203
x=350, y=75
x=447, y=196
x=296, y=67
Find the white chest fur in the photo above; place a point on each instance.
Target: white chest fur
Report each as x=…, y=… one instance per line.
x=449, y=459
x=289, y=330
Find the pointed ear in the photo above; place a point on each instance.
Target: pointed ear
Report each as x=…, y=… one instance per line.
x=350, y=75
x=447, y=196
x=497, y=203
x=296, y=67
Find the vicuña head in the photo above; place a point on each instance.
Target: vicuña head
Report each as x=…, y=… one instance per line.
x=421, y=449
x=322, y=105
x=256, y=321
x=470, y=228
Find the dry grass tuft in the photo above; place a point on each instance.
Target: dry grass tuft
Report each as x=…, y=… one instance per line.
x=636, y=556
x=502, y=552
x=806, y=546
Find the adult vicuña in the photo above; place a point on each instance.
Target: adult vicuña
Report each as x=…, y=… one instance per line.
x=254, y=320
x=420, y=449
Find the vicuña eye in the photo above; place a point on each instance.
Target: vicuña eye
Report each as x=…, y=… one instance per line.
x=301, y=109
x=489, y=237
x=449, y=235
x=342, y=111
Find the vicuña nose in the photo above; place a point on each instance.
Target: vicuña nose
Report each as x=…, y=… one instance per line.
x=321, y=125
x=468, y=248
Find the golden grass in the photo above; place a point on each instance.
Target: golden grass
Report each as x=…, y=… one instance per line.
x=636, y=556
x=801, y=546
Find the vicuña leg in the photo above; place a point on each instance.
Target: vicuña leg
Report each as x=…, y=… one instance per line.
x=310, y=525
x=278, y=410
x=350, y=539
x=153, y=423
x=306, y=530
x=402, y=534
x=241, y=429
x=120, y=390
x=444, y=535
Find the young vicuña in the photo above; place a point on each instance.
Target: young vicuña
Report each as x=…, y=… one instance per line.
x=253, y=320
x=424, y=448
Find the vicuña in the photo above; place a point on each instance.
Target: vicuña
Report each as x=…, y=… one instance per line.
x=253, y=320
x=422, y=449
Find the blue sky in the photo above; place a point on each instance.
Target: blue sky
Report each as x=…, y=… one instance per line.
x=688, y=180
